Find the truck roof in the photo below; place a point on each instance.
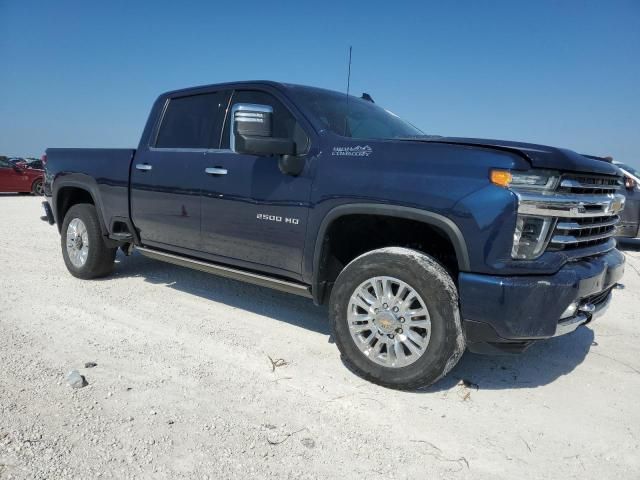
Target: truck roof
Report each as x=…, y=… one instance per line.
x=243, y=83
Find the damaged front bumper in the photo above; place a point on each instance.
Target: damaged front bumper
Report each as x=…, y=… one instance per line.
x=508, y=314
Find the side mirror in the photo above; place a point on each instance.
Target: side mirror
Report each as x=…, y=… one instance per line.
x=629, y=183
x=252, y=133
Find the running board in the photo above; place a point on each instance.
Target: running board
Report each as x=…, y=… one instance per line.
x=235, y=274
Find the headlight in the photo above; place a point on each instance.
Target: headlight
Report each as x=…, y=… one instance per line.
x=530, y=237
x=532, y=233
x=529, y=180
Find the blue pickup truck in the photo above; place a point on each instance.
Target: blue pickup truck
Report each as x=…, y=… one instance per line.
x=421, y=246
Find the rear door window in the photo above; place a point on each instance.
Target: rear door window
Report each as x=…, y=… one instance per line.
x=193, y=121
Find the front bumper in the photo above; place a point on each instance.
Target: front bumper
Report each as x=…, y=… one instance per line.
x=510, y=313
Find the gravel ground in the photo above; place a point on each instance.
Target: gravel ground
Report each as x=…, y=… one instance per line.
x=184, y=386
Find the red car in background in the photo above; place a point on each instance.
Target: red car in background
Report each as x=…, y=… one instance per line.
x=20, y=178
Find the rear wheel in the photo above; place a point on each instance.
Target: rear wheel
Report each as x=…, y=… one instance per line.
x=37, y=188
x=83, y=248
x=395, y=318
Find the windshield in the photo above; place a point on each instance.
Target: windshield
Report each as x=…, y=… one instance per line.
x=357, y=119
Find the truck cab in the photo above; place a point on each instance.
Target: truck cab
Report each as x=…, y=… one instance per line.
x=192, y=192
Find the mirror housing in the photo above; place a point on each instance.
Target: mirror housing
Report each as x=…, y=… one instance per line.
x=629, y=183
x=264, y=146
x=291, y=164
x=252, y=132
x=250, y=119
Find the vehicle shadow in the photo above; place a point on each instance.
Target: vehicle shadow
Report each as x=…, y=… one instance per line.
x=298, y=311
x=540, y=365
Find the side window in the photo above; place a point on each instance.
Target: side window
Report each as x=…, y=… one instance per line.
x=4, y=162
x=283, y=122
x=193, y=122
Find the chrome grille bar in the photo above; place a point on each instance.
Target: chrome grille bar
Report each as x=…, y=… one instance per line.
x=583, y=226
x=569, y=206
x=571, y=239
x=580, y=184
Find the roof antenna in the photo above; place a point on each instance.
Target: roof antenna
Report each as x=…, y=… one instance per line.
x=346, y=118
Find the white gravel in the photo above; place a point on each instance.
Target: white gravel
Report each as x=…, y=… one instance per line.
x=184, y=388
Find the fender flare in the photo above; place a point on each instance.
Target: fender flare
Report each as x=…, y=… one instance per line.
x=446, y=225
x=82, y=182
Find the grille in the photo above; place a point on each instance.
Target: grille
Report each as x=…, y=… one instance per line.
x=583, y=232
x=586, y=231
x=580, y=184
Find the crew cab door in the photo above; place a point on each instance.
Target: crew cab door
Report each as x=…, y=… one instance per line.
x=254, y=215
x=167, y=174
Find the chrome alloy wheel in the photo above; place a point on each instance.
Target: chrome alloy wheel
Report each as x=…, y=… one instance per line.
x=389, y=322
x=77, y=242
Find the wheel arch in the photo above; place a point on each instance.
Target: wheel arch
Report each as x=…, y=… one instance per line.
x=445, y=225
x=74, y=189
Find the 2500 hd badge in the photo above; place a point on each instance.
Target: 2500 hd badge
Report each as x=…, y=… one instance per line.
x=277, y=218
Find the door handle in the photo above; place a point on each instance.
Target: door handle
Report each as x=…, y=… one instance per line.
x=145, y=167
x=215, y=171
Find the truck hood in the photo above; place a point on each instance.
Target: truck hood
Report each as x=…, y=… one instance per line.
x=539, y=156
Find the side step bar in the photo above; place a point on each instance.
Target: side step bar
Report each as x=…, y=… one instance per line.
x=228, y=272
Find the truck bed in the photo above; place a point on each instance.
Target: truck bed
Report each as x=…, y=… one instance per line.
x=103, y=171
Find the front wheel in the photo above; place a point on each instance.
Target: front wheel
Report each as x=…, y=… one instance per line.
x=395, y=318
x=83, y=248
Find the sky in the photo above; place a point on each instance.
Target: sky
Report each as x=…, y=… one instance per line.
x=562, y=73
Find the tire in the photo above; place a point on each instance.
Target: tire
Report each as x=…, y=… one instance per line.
x=98, y=260
x=435, y=290
x=37, y=188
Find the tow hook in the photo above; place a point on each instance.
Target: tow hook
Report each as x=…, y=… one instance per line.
x=587, y=308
